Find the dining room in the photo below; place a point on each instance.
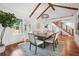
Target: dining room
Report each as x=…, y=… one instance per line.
x=42, y=29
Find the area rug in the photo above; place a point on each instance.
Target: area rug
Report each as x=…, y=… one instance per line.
x=47, y=51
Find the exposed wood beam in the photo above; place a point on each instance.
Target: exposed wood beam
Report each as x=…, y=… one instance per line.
x=72, y=8
x=35, y=9
x=51, y=6
x=43, y=12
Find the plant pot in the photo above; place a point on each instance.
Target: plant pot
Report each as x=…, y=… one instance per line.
x=2, y=48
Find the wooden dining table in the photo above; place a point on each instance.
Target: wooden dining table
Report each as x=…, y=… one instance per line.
x=42, y=36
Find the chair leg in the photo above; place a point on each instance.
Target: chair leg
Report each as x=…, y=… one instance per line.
x=35, y=49
x=30, y=47
x=53, y=47
x=44, y=44
x=56, y=43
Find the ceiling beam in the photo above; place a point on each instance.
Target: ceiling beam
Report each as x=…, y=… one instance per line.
x=72, y=8
x=51, y=6
x=43, y=12
x=35, y=9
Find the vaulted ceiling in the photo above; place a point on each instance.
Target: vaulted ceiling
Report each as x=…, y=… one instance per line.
x=56, y=10
x=24, y=10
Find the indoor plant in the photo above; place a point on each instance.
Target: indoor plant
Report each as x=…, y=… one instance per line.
x=6, y=20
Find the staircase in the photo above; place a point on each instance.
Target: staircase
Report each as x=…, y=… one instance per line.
x=64, y=27
x=70, y=47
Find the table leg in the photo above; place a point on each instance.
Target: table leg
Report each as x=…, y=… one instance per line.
x=44, y=45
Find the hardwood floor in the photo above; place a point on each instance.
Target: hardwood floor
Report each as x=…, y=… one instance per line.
x=70, y=47
x=10, y=49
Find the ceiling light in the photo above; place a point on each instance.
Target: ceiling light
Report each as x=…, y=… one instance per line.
x=45, y=16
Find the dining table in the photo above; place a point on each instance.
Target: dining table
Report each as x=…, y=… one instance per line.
x=42, y=36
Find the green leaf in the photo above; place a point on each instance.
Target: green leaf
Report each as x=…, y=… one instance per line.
x=7, y=19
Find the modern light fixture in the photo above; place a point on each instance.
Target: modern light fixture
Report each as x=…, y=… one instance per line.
x=45, y=16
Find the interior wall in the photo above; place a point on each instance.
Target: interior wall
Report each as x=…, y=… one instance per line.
x=11, y=36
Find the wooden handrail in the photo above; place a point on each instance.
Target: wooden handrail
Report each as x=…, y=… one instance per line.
x=71, y=30
x=68, y=29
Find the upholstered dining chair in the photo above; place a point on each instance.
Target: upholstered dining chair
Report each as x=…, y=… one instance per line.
x=34, y=41
x=51, y=40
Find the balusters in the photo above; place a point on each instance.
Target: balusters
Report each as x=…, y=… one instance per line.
x=65, y=27
x=73, y=32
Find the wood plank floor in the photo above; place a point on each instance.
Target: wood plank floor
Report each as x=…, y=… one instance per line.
x=10, y=49
x=70, y=47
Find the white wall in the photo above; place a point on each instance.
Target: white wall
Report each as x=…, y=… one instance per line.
x=12, y=36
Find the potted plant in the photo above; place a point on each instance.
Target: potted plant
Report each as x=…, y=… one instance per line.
x=6, y=20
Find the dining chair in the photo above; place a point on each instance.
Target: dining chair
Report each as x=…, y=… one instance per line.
x=34, y=41
x=51, y=40
x=56, y=38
